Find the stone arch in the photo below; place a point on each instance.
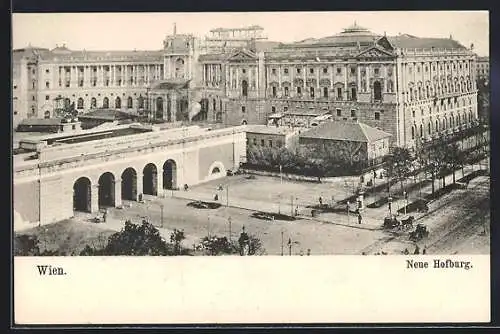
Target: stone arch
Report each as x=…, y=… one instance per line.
x=93, y=103
x=150, y=179
x=46, y=114
x=244, y=122
x=129, y=184
x=105, y=103
x=130, y=103
x=79, y=104
x=216, y=170
x=82, y=194
x=170, y=174
x=106, y=189
x=179, y=68
x=118, y=103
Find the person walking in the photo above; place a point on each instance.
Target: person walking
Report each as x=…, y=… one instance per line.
x=360, y=219
x=104, y=215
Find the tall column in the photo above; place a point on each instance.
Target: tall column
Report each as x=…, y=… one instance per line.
x=384, y=76
x=318, y=69
x=237, y=77
x=359, y=79
x=94, y=198
x=346, y=67
x=173, y=107
x=159, y=186
x=332, y=69
x=139, y=185
x=250, y=77
x=368, y=68
x=118, y=192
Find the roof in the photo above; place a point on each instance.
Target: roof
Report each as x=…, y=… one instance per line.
x=106, y=114
x=40, y=121
x=406, y=41
x=269, y=129
x=346, y=131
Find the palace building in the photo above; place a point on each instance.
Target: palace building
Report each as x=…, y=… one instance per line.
x=410, y=87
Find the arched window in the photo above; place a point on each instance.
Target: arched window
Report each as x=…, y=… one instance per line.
x=377, y=91
x=93, y=103
x=353, y=94
x=429, y=127
x=437, y=126
x=215, y=170
x=141, y=102
x=311, y=92
x=179, y=68
x=325, y=92
x=80, y=103
x=105, y=103
x=421, y=130
x=47, y=114
x=244, y=88
x=118, y=103
x=129, y=102
x=412, y=132
x=214, y=103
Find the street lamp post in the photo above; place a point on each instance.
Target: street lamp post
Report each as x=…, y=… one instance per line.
x=281, y=242
x=348, y=212
x=227, y=195
x=230, y=234
x=390, y=206
x=405, y=194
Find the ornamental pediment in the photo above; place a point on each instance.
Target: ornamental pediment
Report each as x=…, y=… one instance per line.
x=242, y=55
x=374, y=52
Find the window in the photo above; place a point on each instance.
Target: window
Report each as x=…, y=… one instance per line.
x=325, y=91
x=67, y=84
x=353, y=112
x=286, y=91
x=255, y=141
x=339, y=112
x=325, y=70
x=278, y=143
x=299, y=90
x=270, y=143
x=376, y=71
x=311, y=70
x=93, y=103
x=80, y=103
x=33, y=85
x=80, y=84
x=298, y=70
x=273, y=109
x=33, y=98
x=285, y=109
x=339, y=70
x=285, y=70
x=413, y=113
x=412, y=132
x=273, y=71
x=15, y=86
x=47, y=84
x=47, y=97
x=353, y=70
x=377, y=91
x=47, y=71
x=262, y=143
x=274, y=91
x=377, y=115
x=353, y=94
x=33, y=71
x=312, y=92
x=418, y=69
x=339, y=93
x=243, y=71
x=243, y=109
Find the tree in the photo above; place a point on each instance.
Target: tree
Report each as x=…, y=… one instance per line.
x=401, y=160
x=453, y=158
x=438, y=166
x=176, y=238
x=26, y=245
x=136, y=240
x=215, y=245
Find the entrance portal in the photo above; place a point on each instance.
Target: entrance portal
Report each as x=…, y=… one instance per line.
x=149, y=180
x=107, y=190
x=129, y=184
x=82, y=195
x=169, y=175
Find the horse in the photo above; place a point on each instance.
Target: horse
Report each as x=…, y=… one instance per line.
x=407, y=223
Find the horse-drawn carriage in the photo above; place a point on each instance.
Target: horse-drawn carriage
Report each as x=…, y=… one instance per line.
x=403, y=223
x=420, y=232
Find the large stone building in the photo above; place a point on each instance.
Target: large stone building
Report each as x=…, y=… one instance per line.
x=408, y=86
x=483, y=67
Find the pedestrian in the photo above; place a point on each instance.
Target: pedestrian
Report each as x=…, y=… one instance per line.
x=417, y=250
x=359, y=218
x=320, y=201
x=406, y=252
x=216, y=197
x=424, y=251
x=296, y=210
x=104, y=215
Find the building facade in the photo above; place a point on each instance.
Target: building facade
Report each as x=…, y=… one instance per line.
x=483, y=67
x=408, y=86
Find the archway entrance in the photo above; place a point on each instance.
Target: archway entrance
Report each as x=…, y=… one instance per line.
x=149, y=180
x=107, y=190
x=170, y=175
x=159, y=107
x=82, y=195
x=129, y=184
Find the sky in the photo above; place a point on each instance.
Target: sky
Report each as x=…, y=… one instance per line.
x=146, y=31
